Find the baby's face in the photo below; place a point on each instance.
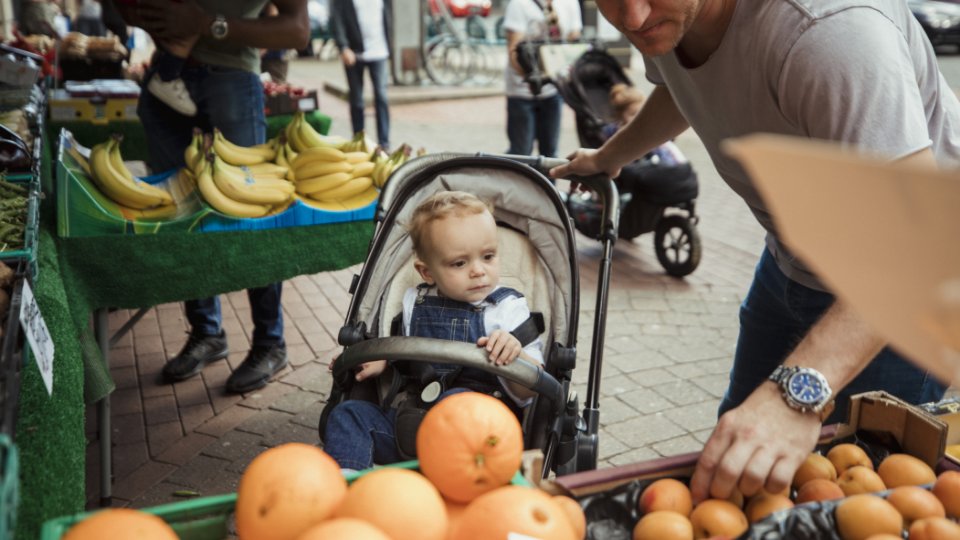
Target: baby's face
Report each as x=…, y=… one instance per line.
x=461, y=256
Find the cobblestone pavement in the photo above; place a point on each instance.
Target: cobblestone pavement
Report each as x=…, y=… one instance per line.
x=669, y=342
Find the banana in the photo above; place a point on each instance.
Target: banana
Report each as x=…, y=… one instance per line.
x=241, y=188
x=320, y=153
x=364, y=168
x=357, y=156
x=348, y=189
x=239, y=155
x=362, y=200
x=313, y=169
x=270, y=145
x=132, y=193
x=221, y=202
x=273, y=169
x=312, y=186
x=159, y=213
x=293, y=134
x=332, y=206
x=192, y=152
x=281, y=159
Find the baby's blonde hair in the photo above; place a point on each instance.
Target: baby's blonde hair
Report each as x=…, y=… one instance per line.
x=441, y=205
x=623, y=98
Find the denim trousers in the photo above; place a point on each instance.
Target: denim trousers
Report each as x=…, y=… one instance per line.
x=534, y=119
x=231, y=100
x=360, y=433
x=378, y=76
x=776, y=314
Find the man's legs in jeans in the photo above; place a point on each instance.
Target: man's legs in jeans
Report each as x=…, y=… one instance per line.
x=549, y=113
x=359, y=433
x=355, y=94
x=379, y=77
x=520, y=125
x=776, y=315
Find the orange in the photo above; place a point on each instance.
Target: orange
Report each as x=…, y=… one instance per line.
x=578, y=520
x=400, y=502
x=905, y=470
x=341, y=528
x=663, y=525
x=469, y=444
x=947, y=489
x=514, y=509
x=666, y=494
x=844, y=456
x=714, y=517
x=286, y=490
x=914, y=502
x=861, y=516
x=121, y=524
x=454, y=511
x=936, y=528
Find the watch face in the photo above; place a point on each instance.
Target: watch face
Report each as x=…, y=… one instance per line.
x=805, y=388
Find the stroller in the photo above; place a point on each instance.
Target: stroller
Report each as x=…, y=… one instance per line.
x=648, y=187
x=538, y=258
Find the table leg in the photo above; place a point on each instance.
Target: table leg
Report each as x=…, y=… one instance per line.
x=102, y=329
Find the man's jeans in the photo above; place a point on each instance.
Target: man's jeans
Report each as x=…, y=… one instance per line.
x=378, y=75
x=231, y=100
x=776, y=315
x=529, y=119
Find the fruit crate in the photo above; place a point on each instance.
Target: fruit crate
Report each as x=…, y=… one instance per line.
x=206, y=518
x=13, y=350
x=28, y=252
x=9, y=486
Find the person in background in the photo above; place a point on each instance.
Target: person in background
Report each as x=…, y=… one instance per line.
x=274, y=61
x=90, y=19
x=361, y=29
x=533, y=118
x=860, y=73
x=222, y=74
x=38, y=17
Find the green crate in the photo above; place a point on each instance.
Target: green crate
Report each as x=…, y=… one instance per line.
x=31, y=232
x=9, y=486
x=205, y=518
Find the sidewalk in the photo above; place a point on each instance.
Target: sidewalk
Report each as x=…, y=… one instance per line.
x=669, y=343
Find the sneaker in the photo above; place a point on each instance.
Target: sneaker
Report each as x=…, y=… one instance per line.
x=174, y=94
x=199, y=351
x=257, y=368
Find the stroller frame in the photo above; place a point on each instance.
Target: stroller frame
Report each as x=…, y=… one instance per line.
x=568, y=438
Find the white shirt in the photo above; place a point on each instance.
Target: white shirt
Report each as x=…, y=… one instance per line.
x=508, y=314
x=370, y=19
x=527, y=18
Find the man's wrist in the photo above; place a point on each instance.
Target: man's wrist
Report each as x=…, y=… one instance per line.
x=205, y=24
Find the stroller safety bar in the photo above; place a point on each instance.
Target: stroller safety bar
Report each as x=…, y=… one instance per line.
x=449, y=352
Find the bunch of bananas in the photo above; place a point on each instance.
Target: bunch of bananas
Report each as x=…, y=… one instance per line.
x=136, y=198
x=384, y=164
x=341, y=179
x=301, y=136
x=250, y=190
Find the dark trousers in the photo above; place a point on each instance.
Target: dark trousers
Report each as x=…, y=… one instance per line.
x=378, y=76
x=530, y=120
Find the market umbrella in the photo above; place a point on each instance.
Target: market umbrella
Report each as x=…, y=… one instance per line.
x=885, y=237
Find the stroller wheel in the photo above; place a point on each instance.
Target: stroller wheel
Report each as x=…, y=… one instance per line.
x=677, y=244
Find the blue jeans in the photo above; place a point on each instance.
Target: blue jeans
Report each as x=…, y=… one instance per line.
x=378, y=75
x=534, y=119
x=360, y=433
x=231, y=100
x=776, y=314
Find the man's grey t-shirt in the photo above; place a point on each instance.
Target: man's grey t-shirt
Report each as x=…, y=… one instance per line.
x=858, y=72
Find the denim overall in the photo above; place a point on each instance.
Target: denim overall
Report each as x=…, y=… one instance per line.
x=443, y=318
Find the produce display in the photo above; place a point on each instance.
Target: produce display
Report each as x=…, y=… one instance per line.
x=13, y=215
x=296, y=491
x=77, y=45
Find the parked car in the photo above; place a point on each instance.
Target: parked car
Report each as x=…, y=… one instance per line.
x=940, y=20
x=463, y=8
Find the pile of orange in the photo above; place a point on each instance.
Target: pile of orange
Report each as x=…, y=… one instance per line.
x=469, y=446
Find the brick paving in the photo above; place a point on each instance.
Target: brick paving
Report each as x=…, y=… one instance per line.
x=669, y=342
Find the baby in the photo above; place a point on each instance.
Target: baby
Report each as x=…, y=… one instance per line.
x=457, y=255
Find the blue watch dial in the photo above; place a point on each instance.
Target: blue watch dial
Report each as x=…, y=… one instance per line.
x=805, y=388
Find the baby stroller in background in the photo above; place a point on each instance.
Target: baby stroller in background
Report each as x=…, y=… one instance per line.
x=648, y=187
x=538, y=258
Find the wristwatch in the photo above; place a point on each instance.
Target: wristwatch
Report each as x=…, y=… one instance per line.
x=218, y=28
x=804, y=389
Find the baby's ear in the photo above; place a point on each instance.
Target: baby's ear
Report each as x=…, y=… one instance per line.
x=424, y=271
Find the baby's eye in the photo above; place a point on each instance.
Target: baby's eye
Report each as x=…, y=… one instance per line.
x=490, y=256
x=458, y=264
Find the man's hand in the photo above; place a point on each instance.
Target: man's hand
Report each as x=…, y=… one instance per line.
x=584, y=162
x=172, y=20
x=503, y=347
x=370, y=369
x=760, y=444
x=348, y=57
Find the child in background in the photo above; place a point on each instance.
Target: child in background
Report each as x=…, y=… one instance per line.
x=626, y=101
x=455, y=241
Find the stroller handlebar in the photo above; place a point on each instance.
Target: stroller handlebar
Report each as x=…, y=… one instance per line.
x=443, y=351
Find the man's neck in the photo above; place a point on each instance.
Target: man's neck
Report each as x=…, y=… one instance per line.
x=706, y=33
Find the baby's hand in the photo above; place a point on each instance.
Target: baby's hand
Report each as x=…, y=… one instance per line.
x=502, y=346
x=370, y=369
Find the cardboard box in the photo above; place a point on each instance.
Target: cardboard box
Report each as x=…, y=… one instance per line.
x=95, y=109
x=18, y=72
x=917, y=432
x=948, y=412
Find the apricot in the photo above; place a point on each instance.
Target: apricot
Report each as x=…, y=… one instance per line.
x=736, y=498
x=666, y=494
x=844, y=456
x=815, y=466
x=947, y=489
x=905, y=470
x=663, y=525
x=861, y=516
x=914, y=503
x=934, y=528
x=578, y=520
x=762, y=506
x=859, y=479
x=714, y=517
x=819, y=489
x=884, y=537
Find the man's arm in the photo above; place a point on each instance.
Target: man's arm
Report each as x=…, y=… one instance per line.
x=289, y=29
x=513, y=38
